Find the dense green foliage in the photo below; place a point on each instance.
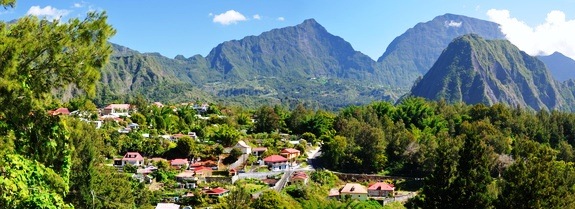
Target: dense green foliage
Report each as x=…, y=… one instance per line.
x=39, y=56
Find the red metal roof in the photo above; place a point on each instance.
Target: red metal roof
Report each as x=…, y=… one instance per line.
x=259, y=149
x=217, y=190
x=133, y=156
x=381, y=186
x=290, y=150
x=275, y=159
x=202, y=168
x=59, y=111
x=117, y=106
x=178, y=162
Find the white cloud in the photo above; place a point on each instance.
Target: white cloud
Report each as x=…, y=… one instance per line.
x=281, y=19
x=257, y=17
x=49, y=12
x=453, y=24
x=555, y=34
x=229, y=17
x=78, y=5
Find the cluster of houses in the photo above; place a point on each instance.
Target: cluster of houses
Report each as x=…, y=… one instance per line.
x=360, y=192
x=117, y=111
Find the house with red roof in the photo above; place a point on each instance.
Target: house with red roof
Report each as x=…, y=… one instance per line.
x=290, y=153
x=258, y=151
x=133, y=158
x=299, y=177
x=117, y=110
x=203, y=172
x=380, y=189
x=59, y=111
x=353, y=191
x=217, y=192
x=276, y=162
x=206, y=163
x=179, y=163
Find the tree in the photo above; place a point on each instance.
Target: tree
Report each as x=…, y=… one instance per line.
x=233, y=157
x=111, y=189
x=536, y=180
x=267, y=120
x=297, y=119
x=28, y=184
x=239, y=198
x=186, y=146
x=474, y=178
x=226, y=135
x=437, y=192
x=271, y=199
x=39, y=56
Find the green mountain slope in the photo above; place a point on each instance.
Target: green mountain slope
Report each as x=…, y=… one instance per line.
x=157, y=77
x=302, y=63
x=474, y=70
x=306, y=50
x=561, y=67
x=412, y=54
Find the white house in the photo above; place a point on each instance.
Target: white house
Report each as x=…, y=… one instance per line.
x=117, y=109
x=241, y=145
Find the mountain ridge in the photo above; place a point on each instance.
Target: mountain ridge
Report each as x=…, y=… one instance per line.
x=474, y=70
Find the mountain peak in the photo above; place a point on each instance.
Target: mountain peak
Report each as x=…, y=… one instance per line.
x=413, y=53
x=474, y=70
x=310, y=21
x=562, y=67
x=311, y=24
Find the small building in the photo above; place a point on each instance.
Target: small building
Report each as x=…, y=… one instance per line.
x=203, y=172
x=258, y=151
x=176, y=137
x=179, y=163
x=167, y=206
x=158, y=104
x=206, y=163
x=217, y=192
x=117, y=110
x=201, y=108
x=290, y=153
x=333, y=193
x=133, y=126
x=241, y=145
x=186, y=176
x=232, y=172
x=299, y=177
x=380, y=189
x=193, y=135
x=132, y=158
x=276, y=162
x=59, y=111
x=353, y=191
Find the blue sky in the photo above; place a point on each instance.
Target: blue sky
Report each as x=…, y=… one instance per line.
x=195, y=27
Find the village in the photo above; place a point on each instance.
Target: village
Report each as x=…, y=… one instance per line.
x=202, y=180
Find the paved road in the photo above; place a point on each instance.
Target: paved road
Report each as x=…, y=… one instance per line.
x=241, y=160
x=283, y=181
x=257, y=175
